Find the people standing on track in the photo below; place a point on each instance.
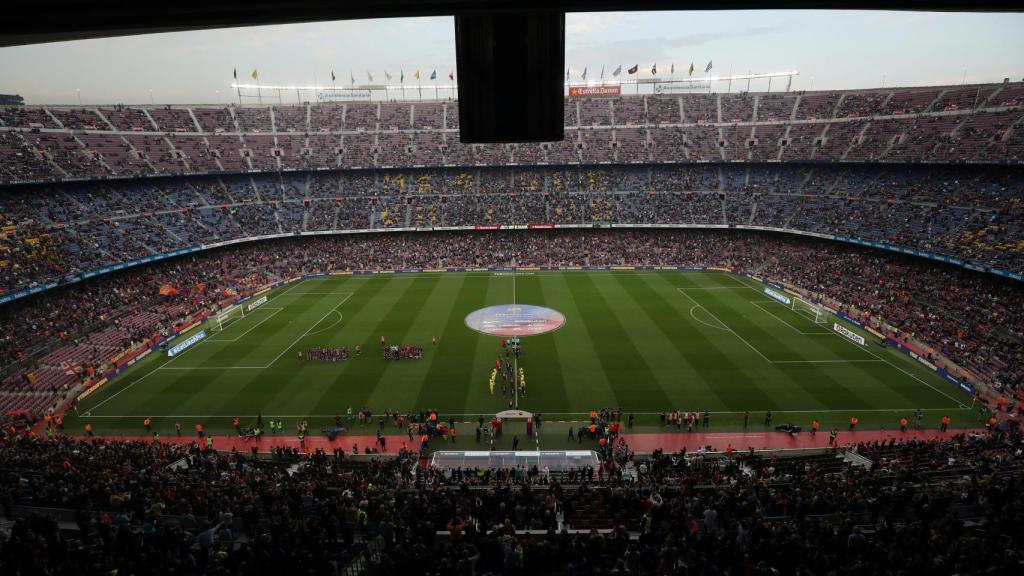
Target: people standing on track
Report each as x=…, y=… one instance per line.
x=945, y=423
x=853, y=423
x=814, y=426
x=768, y=418
x=746, y=419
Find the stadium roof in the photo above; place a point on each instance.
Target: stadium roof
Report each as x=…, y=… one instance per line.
x=57, y=20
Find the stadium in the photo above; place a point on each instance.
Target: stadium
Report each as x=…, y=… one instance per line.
x=711, y=330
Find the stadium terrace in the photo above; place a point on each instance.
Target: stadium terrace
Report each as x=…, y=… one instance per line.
x=788, y=339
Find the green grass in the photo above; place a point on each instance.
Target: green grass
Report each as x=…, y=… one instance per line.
x=646, y=341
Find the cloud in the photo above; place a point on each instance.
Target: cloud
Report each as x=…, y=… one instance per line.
x=665, y=47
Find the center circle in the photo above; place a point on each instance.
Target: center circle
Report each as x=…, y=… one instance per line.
x=515, y=320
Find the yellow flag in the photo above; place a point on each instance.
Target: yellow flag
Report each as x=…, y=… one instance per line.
x=254, y=75
x=691, y=68
x=417, y=75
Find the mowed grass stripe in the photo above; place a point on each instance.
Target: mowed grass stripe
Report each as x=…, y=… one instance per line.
x=353, y=381
x=545, y=386
x=878, y=383
x=173, y=391
x=402, y=380
x=687, y=360
x=288, y=376
x=232, y=390
x=631, y=378
x=586, y=384
x=669, y=368
x=733, y=372
x=451, y=376
x=830, y=392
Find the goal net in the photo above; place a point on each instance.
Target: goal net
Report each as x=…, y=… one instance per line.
x=225, y=317
x=815, y=312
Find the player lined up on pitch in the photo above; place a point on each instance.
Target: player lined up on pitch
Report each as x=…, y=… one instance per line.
x=326, y=353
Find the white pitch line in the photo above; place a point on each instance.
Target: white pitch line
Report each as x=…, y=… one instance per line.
x=822, y=361
x=753, y=411
x=786, y=322
x=236, y=338
x=116, y=394
x=890, y=363
x=712, y=288
x=719, y=320
x=694, y=316
x=868, y=350
x=340, y=316
x=304, y=334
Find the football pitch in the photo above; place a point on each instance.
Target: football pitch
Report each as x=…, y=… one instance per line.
x=646, y=341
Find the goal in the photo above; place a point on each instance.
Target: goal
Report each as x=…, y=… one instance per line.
x=225, y=317
x=816, y=312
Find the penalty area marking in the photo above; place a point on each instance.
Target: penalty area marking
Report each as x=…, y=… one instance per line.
x=726, y=327
x=694, y=316
x=877, y=357
x=786, y=322
x=236, y=338
x=165, y=367
x=308, y=332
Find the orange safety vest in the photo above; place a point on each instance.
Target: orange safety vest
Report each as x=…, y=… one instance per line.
x=88, y=427
x=199, y=427
x=903, y=421
x=146, y=422
x=815, y=424
x=853, y=420
x=946, y=420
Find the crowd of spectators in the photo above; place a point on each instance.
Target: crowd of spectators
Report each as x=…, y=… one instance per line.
x=950, y=124
x=974, y=319
x=937, y=507
x=57, y=231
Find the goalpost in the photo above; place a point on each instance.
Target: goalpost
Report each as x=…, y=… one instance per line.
x=816, y=312
x=226, y=316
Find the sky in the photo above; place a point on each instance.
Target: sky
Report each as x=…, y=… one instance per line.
x=830, y=49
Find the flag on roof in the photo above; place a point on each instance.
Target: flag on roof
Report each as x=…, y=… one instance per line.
x=433, y=75
x=332, y=75
x=401, y=76
x=417, y=75
x=708, y=69
x=654, y=69
x=602, y=72
x=672, y=70
x=235, y=73
x=691, y=68
x=387, y=76
x=584, y=73
x=451, y=75
x=617, y=71
x=255, y=76
x=633, y=69
x=369, y=77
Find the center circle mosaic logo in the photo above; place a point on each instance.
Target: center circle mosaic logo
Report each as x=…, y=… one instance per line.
x=515, y=320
